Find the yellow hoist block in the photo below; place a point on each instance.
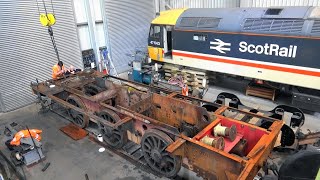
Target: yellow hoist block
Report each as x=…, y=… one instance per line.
x=47, y=20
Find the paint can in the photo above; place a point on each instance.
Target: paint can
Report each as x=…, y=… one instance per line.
x=100, y=138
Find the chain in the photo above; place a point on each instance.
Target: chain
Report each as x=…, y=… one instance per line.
x=50, y=31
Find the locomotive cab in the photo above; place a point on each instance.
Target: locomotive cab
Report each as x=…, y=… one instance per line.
x=160, y=35
x=160, y=42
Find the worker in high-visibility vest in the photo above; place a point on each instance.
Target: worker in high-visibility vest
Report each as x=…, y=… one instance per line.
x=58, y=70
x=35, y=133
x=185, y=90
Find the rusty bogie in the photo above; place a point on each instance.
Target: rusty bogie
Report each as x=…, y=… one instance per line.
x=78, y=118
x=115, y=137
x=169, y=127
x=153, y=144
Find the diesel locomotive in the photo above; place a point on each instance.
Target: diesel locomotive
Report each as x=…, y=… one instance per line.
x=277, y=45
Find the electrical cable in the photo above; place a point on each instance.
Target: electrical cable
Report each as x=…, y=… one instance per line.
x=176, y=81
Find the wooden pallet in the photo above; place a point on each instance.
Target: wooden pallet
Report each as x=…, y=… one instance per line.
x=170, y=68
x=190, y=84
x=263, y=92
x=189, y=75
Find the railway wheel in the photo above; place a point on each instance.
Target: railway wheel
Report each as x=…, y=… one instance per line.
x=153, y=144
x=92, y=89
x=78, y=118
x=114, y=137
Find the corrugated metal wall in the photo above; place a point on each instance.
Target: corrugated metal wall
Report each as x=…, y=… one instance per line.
x=203, y=3
x=26, y=51
x=128, y=26
x=268, y=3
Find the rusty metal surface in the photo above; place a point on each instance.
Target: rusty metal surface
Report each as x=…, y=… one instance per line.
x=311, y=138
x=105, y=95
x=115, y=137
x=92, y=116
x=240, y=148
x=142, y=106
x=74, y=131
x=208, y=163
x=142, y=114
x=153, y=145
x=174, y=112
x=78, y=118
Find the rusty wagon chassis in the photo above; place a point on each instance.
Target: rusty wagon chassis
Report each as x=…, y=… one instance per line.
x=173, y=130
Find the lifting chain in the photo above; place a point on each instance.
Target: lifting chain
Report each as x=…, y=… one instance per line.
x=48, y=20
x=50, y=31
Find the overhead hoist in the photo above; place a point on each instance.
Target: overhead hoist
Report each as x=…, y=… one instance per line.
x=48, y=19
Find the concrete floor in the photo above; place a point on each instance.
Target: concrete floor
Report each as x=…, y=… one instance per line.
x=70, y=159
x=73, y=159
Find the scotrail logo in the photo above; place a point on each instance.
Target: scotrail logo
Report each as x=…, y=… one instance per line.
x=220, y=46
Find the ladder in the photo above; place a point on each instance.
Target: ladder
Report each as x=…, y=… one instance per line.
x=112, y=67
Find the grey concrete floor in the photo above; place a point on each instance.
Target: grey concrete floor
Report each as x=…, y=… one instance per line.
x=71, y=159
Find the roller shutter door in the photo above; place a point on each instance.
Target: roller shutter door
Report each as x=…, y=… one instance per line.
x=26, y=52
x=128, y=25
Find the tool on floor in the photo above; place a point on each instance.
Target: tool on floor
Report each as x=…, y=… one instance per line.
x=34, y=144
x=38, y=152
x=45, y=167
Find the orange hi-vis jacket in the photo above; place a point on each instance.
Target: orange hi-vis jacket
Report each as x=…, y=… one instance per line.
x=55, y=69
x=35, y=133
x=185, y=90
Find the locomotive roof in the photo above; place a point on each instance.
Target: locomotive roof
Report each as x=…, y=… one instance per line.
x=277, y=20
x=169, y=17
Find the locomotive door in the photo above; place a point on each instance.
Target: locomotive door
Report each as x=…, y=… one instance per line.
x=167, y=41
